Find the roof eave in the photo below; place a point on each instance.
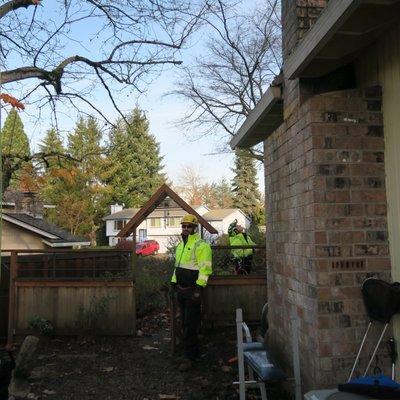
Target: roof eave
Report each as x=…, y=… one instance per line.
x=262, y=121
x=65, y=243
x=344, y=28
x=29, y=227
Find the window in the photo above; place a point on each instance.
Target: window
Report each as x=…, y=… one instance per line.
x=142, y=235
x=174, y=222
x=155, y=222
x=119, y=224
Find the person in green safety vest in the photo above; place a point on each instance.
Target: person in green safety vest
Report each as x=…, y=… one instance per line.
x=192, y=268
x=243, y=258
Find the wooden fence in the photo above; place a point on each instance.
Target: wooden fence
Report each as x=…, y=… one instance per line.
x=61, y=285
x=224, y=294
x=77, y=291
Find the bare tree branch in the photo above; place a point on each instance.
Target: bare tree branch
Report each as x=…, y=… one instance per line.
x=241, y=59
x=124, y=40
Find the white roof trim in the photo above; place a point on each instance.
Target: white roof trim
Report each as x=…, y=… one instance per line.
x=31, y=228
x=65, y=244
x=260, y=112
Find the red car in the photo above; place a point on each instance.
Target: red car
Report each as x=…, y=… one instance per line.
x=147, y=248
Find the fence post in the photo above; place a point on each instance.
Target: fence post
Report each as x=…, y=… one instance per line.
x=134, y=281
x=11, y=301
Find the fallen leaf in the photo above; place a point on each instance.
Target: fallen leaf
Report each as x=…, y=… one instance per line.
x=107, y=369
x=232, y=360
x=226, y=368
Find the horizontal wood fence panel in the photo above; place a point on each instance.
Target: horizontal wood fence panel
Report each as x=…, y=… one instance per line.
x=226, y=293
x=60, y=302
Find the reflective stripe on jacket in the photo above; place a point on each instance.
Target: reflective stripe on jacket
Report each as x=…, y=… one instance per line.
x=240, y=240
x=192, y=262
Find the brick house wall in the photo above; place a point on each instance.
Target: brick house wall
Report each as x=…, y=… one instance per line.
x=327, y=228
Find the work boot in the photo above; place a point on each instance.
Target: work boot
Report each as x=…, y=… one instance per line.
x=186, y=365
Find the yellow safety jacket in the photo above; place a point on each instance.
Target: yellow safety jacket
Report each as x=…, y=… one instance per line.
x=240, y=240
x=192, y=262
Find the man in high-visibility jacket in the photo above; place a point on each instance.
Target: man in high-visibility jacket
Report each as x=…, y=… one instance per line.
x=192, y=269
x=243, y=258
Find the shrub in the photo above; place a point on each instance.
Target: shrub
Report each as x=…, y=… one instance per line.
x=40, y=325
x=222, y=258
x=152, y=283
x=88, y=320
x=124, y=244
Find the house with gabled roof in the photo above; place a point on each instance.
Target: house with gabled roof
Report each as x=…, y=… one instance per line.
x=163, y=223
x=330, y=124
x=23, y=231
x=221, y=218
x=23, y=226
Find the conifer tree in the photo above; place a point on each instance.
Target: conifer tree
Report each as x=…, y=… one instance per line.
x=52, y=143
x=75, y=186
x=135, y=169
x=15, y=149
x=244, y=184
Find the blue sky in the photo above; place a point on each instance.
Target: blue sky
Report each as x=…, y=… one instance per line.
x=162, y=112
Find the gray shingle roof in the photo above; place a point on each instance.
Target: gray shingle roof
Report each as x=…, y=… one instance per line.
x=126, y=213
x=219, y=214
x=42, y=224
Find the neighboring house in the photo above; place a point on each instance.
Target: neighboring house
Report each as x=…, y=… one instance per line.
x=162, y=225
x=23, y=226
x=330, y=126
x=23, y=231
x=221, y=218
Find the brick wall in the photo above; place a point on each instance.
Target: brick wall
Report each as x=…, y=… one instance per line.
x=326, y=231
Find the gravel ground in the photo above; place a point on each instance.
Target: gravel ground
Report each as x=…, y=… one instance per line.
x=136, y=368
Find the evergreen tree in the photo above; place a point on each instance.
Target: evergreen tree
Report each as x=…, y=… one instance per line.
x=244, y=184
x=223, y=194
x=52, y=143
x=15, y=150
x=135, y=169
x=75, y=186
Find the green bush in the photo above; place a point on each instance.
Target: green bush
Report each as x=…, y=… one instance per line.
x=88, y=320
x=256, y=234
x=40, y=325
x=222, y=259
x=153, y=275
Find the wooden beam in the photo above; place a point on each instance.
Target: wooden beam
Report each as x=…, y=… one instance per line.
x=20, y=282
x=134, y=264
x=155, y=200
x=12, y=297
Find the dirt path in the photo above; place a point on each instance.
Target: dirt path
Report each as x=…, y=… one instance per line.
x=133, y=368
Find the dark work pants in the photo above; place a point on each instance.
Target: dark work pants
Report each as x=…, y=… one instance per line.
x=191, y=318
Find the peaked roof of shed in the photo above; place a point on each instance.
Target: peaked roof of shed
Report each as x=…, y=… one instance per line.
x=163, y=192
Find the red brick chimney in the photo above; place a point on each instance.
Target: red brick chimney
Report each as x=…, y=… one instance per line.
x=298, y=16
